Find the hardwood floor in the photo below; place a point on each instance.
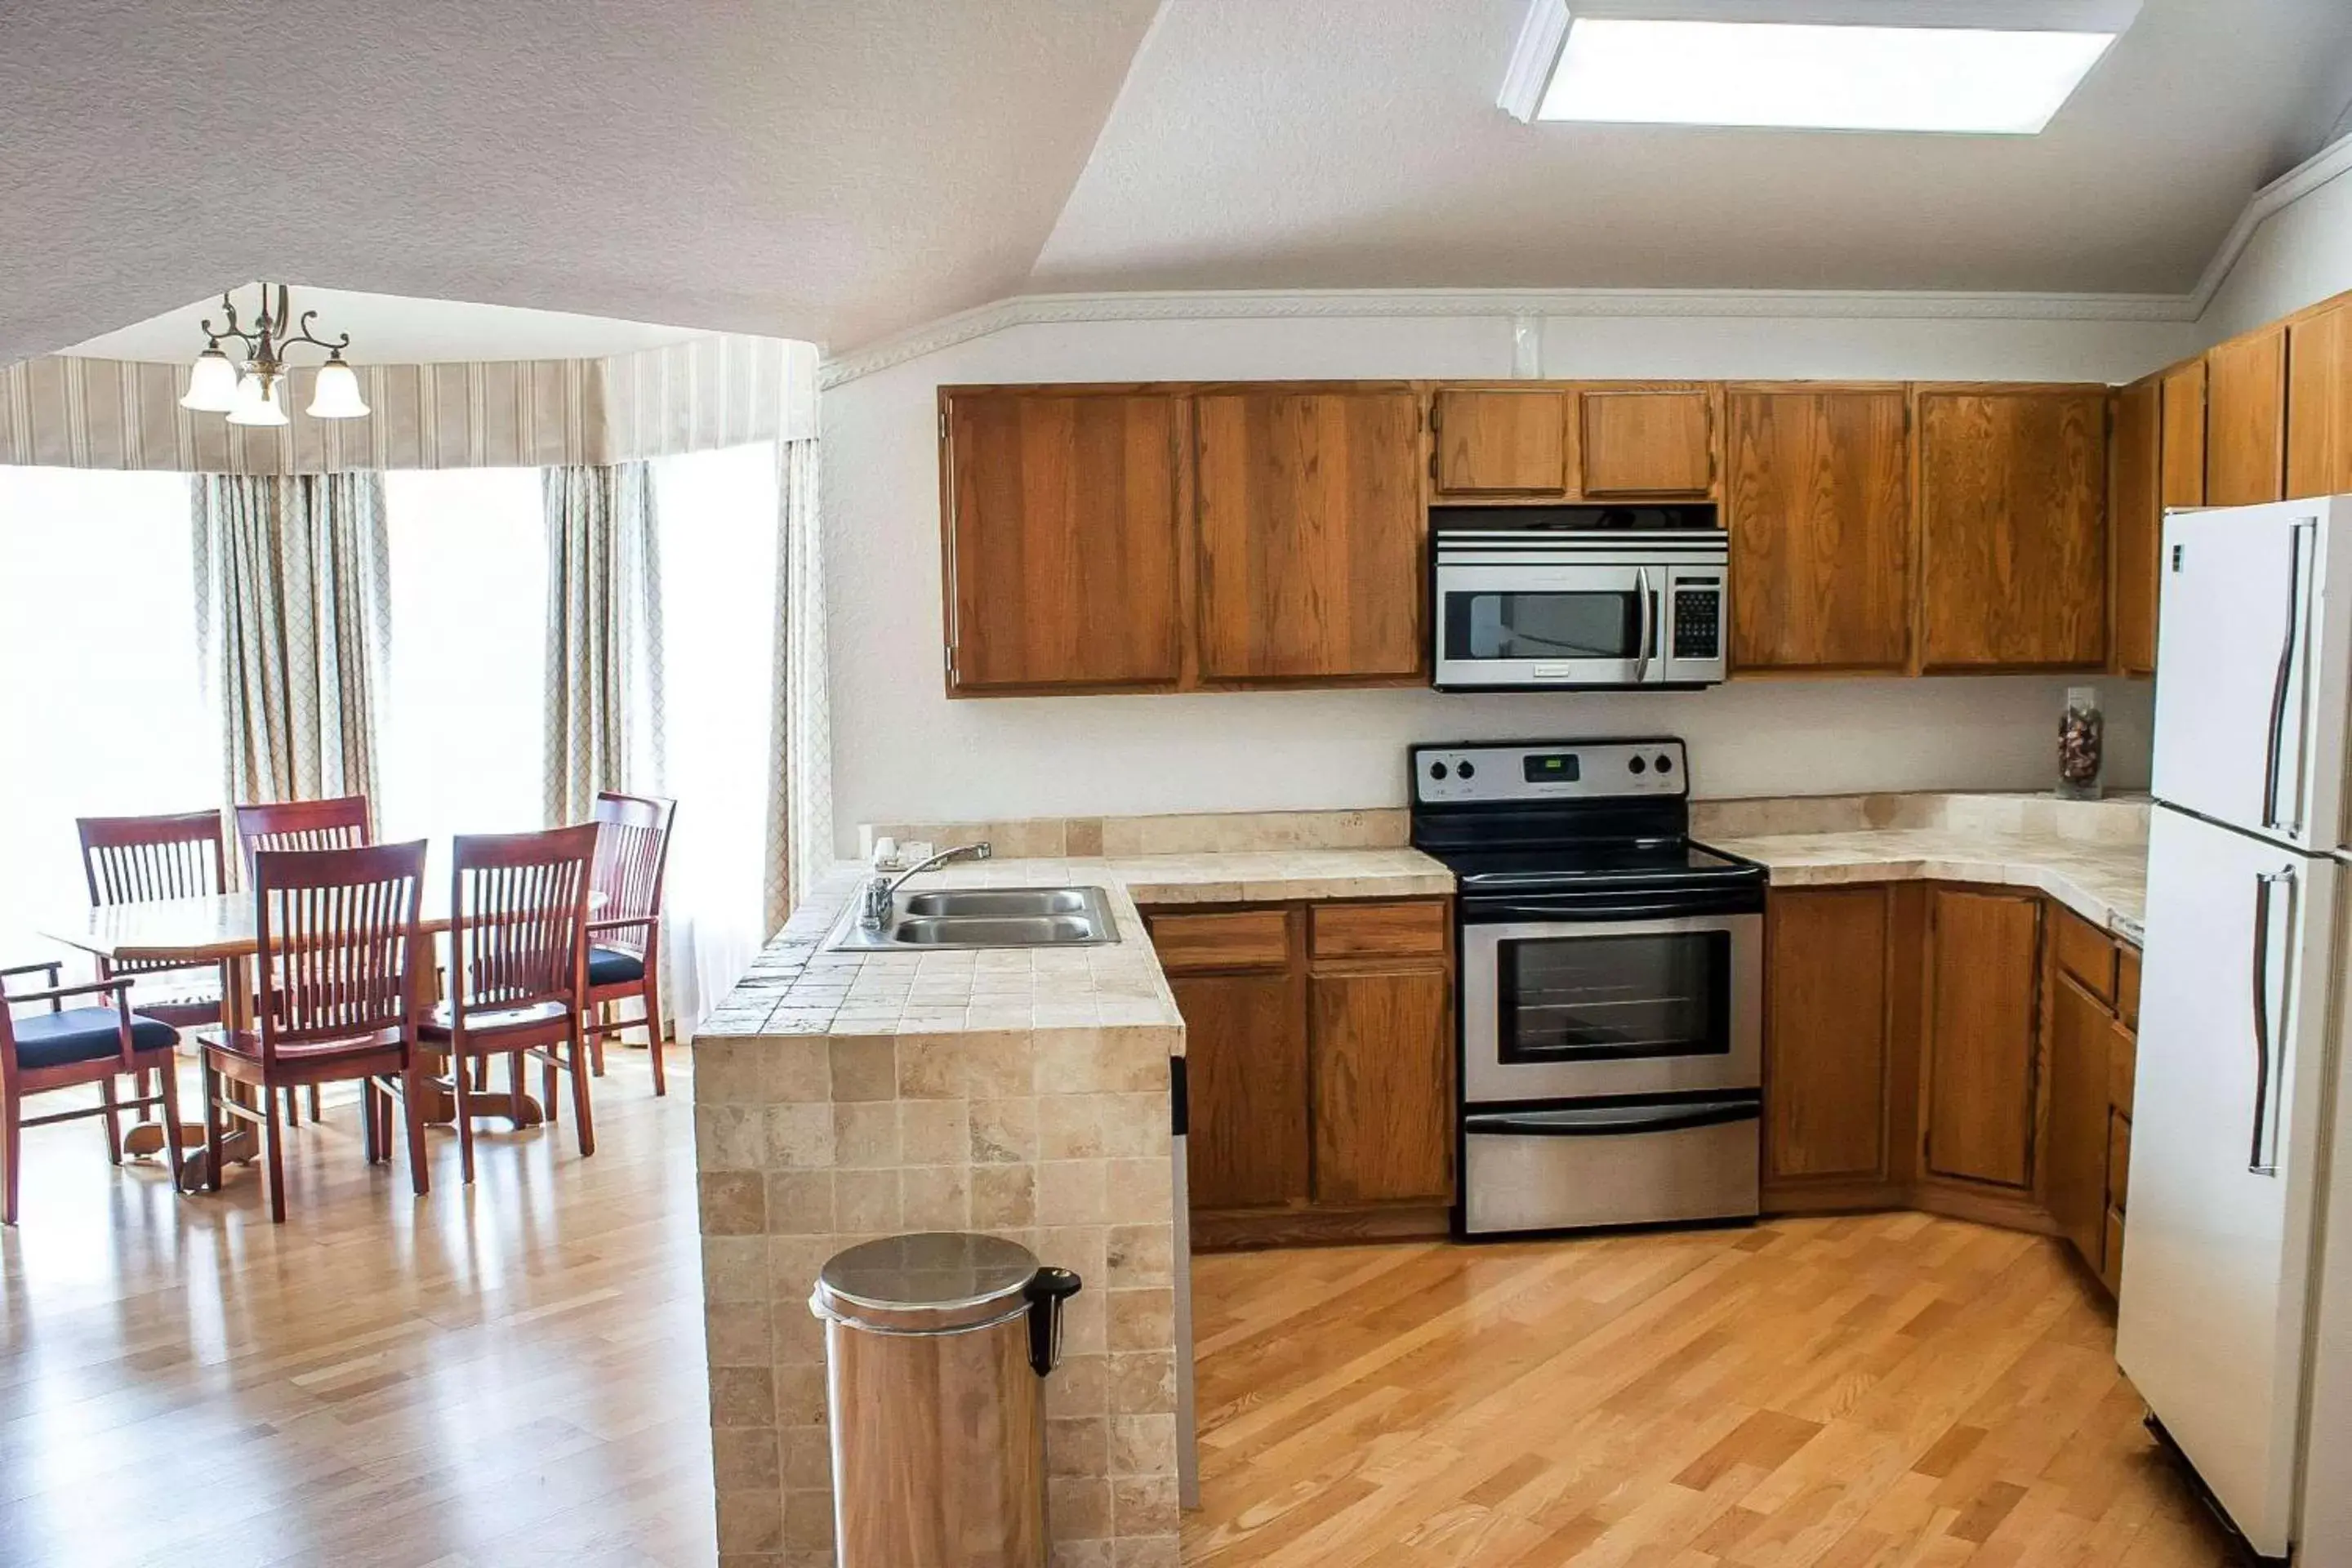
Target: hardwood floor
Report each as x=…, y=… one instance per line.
x=1846, y=1392
x=514, y=1375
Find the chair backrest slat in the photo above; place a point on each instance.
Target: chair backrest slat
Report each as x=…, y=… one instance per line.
x=632, y=854
x=519, y=916
x=137, y=860
x=338, y=824
x=337, y=931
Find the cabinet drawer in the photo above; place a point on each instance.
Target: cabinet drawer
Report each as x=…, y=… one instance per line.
x=2119, y=1161
x=1416, y=929
x=2127, y=984
x=2087, y=953
x=2123, y=1065
x=1244, y=939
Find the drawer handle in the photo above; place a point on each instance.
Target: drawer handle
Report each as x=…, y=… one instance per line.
x=1615, y=1121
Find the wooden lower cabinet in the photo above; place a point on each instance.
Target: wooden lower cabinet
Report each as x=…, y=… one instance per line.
x=1320, y=1047
x=1958, y=1048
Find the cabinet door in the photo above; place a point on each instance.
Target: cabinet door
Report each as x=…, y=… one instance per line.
x=1245, y=1073
x=1825, y=1034
x=2136, y=514
x=1312, y=535
x=2245, y=419
x=2184, y=435
x=1505, y=441
x=2319, y=404
x=2012, y=528
x=2075, y=1145
x=1983, y=1003
x=1817, y=497
x=1648, y=441
x=1383, y=1064
x=1061, y=540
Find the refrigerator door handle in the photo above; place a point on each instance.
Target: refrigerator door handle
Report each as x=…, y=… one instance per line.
x=2263, y=1158
x=2290, y=649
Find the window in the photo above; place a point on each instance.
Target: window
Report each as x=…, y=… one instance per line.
x=461, y=730
x=716, y=514
x=102, y=710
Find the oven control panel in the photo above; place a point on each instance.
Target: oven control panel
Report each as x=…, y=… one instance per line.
x=1563, y=770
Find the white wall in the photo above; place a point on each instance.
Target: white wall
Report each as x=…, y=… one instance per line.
x=2298, y=256
x=903, y=752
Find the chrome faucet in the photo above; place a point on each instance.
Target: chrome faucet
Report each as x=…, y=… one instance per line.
x=876, y=894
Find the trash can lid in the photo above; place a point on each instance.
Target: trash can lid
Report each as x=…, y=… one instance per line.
x=938, y=1282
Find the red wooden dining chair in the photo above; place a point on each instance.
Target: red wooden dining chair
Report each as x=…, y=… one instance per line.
x=624, y=957
x=518, y=966
x=135, y=859
x=67, y=1047
x=340, y=822
x=338, y=939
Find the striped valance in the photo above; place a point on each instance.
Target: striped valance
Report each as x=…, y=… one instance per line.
x=705, y=393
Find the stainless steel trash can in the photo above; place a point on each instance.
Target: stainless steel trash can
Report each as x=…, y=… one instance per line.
x=936, y=1346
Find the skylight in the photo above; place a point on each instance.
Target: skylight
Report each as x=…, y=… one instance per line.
x=1989, y=68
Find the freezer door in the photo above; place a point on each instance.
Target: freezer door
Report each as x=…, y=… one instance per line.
x=2253, y=661
x=2226, y=1143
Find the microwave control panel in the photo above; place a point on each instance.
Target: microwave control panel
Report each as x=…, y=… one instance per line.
x=1698, y=621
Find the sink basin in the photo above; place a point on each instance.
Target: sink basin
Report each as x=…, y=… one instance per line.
x=984, y=917
x=958, y=903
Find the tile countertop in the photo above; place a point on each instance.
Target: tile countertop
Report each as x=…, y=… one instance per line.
x=797, y=987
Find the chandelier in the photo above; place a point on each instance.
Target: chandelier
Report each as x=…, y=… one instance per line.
x=246, y=388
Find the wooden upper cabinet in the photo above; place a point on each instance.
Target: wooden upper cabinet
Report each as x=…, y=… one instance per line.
x=1312, y=534
x=2012, y=507
x=1983, y=1035
x=1816, y=495
x=1501, y=441
x=2183, y=438
x=2245, y=419
x=2319, y=403
x=2136, y=517
x=1648, y=441
x=1061, y=540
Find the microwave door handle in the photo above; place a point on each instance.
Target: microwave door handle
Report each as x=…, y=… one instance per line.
x=1642, y=637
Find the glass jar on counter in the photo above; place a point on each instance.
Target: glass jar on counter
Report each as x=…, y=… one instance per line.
x=2082, y=745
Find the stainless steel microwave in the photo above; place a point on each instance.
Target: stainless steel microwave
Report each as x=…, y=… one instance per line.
x=1580, y=598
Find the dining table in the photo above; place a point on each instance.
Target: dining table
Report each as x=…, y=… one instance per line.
x=220, y=931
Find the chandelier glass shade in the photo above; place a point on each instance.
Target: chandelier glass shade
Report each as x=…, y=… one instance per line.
x=249, y=382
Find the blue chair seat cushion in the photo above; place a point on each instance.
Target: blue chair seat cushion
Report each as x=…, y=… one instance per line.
x=611, y=966
x=85, y=1034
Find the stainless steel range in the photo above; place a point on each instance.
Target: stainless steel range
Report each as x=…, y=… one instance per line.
x=1611, y=994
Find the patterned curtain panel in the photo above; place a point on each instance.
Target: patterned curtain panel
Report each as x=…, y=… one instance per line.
x=604, y=636
x=293, y=616
x=800, y=763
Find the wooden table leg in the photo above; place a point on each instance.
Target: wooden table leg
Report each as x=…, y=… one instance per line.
x=239, y=1143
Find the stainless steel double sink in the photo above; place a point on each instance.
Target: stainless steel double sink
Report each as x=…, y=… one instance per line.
x=984, y=917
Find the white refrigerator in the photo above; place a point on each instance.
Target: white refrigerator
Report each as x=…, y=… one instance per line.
x=2223, y=1325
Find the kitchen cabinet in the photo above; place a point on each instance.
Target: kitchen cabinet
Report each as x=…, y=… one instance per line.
x=2011, y=516
x=2245, y=419
x=1500, y=441
x=1061, y=540
x=1816, y=496
x=1648, y=441
x=2319, y=403
x=1829, y=1025
x=1319, y=1045
x=1313, y=535
x=2076, y=1185
x=1982, y=1040
x=2136, y=523
x=2182, y=438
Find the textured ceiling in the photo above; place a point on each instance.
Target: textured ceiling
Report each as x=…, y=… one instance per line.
x=1293, y=145
x=820, y=169
x=386, y=329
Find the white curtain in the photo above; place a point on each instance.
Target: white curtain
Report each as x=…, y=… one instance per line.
x=716, y=518
x=101, y=693
x=799, y=759
x=463, y=720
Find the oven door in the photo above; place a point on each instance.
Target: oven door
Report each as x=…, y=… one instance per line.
x=1596, y=624
x=1561, y=1010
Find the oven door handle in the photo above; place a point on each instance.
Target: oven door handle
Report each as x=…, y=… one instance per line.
x=1598, y=913
x=1610, y=1121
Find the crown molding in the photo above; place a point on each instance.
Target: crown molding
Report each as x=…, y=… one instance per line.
x=1226, y=305
x=2328, y=164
